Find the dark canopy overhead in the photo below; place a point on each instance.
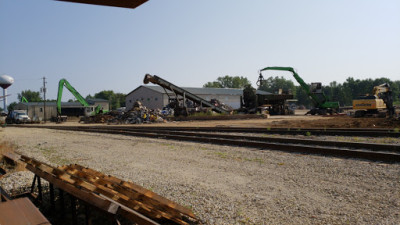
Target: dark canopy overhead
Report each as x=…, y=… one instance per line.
x=117, y=3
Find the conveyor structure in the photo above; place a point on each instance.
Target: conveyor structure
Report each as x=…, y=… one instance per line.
x=182, y=92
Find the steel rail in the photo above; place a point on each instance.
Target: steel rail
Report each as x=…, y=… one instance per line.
x=375, y=132
x=374, y=155
x=343, y=144
x=285, y=131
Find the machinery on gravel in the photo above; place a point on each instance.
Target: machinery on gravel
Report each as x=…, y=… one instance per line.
x=322, y=105
x=370, y=105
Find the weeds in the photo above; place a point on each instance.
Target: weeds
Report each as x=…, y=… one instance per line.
x=223, y=155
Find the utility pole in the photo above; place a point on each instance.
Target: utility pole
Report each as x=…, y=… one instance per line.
x=43, y=89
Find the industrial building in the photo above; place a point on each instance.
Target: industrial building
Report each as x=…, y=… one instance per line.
x=156, y=97
x=36, y=110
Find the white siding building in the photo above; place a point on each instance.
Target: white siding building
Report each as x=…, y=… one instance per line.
x=155, y=97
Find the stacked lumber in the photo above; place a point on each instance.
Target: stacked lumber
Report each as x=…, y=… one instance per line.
x=111, y=194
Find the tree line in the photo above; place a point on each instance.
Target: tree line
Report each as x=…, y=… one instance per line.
x=116, y=100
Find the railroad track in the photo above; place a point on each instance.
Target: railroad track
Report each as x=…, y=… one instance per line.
x=293, y=131
x=374, y=152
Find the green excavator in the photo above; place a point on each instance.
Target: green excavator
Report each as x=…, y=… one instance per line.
x=321, y=104
x=89, y=109
x=23, y=99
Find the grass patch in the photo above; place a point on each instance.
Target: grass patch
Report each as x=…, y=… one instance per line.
x=258, y=160
x=223, y=155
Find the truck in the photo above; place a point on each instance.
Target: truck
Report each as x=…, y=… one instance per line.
x=18, y=116
x=322, y=105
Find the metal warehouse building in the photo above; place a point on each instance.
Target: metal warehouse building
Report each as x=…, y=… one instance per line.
x=36, y=109
x=156, y=97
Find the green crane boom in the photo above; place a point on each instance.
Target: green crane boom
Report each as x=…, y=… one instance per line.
x=23, y=99
x=61, y=84
x=319, y=100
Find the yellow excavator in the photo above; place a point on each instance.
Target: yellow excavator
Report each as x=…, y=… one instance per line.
x=370, y=105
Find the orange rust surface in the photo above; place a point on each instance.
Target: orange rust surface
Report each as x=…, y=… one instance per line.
x=20, y=211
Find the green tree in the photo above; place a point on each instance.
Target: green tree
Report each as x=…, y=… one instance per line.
x=273, y=84
x=11, y=106
x=31, y=96
x=120, y=98
x=116, y=99
x=228, y=82
x=214, y=84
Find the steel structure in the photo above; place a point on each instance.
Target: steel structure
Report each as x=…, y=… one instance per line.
x=182, y=92
x=319, y=99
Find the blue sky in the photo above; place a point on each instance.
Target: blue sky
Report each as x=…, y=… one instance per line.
x=192, y=42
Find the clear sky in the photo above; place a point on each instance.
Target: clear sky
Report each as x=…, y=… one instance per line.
x=192, y=42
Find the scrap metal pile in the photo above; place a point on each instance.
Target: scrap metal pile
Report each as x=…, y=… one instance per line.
x=137, y=115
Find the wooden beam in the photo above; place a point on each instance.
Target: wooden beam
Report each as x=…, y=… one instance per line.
x=116, y=3
x=132, y=186
x=83, y=190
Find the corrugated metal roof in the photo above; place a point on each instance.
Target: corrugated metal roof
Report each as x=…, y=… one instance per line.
x=63, y=104
x=206, y=91
x=51, y=103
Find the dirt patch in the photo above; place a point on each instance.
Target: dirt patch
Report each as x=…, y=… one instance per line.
x=340, y=122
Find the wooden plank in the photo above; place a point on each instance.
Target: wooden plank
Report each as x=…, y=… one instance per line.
x=147, y=210
x=170, y=212
x=158, y=209
x=88, y=197
x=86, y=180
x=79, y=183
x=81, y=194
x=116, y=3
x=138, y=189
x=12, y=156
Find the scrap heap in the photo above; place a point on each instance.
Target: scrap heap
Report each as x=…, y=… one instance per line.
x=137, y=115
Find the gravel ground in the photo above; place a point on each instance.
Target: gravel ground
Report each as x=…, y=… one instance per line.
x=231, y=185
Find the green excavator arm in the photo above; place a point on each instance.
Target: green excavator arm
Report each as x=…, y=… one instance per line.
x=61, y=84
x=23, y=99
x=318, y=102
